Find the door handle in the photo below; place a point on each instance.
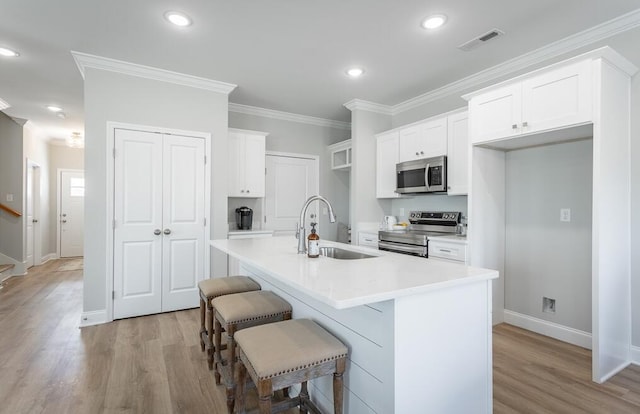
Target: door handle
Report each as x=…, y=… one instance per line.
x=157, y=232
x=64, y=221
x=34, y=220
x=167, y=231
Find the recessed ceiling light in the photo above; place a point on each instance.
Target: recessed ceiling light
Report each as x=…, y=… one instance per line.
x=61, y=115
x=54, y=108
x=355, y=72
x=433, y=22
x=178, y=18
x=8, y=52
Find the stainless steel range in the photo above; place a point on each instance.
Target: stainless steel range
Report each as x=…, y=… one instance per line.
x=415, y=239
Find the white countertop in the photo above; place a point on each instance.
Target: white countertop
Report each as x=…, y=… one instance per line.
x=348, y=283
x=237, y=232
x=451, y=238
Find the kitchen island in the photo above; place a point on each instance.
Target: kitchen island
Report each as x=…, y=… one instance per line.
x=418, y=330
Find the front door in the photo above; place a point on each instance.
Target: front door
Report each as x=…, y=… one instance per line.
x=71, y=213
x=159, y=222
x=290, y=181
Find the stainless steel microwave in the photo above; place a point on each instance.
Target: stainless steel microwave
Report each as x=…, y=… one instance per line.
x=428, y=175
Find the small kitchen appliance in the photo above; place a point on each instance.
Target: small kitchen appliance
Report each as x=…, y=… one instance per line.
x=244, y=218
x=415, y=239
x=389, y=221
x=428, y=175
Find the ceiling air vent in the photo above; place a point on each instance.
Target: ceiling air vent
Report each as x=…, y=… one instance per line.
x=473, y=43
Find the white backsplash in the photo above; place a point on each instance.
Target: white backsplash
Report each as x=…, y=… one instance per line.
x=427, y=202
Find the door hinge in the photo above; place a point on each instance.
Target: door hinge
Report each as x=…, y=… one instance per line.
x=205, y=159
x=113, y=224
x=265, y=219
x=265, y=171
x=114, y=153
x=113, y=294
x=205, y=221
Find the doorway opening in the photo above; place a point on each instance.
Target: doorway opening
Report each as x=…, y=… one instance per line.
x=70, y=238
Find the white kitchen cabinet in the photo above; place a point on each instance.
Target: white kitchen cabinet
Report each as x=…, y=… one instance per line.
x=386, y=160
x=458, y=153
x=341, y=155
x=547, y=101
x=246, y=163
x=425, y=140
x=442, y=249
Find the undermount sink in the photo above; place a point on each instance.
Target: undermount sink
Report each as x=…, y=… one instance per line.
x=342, y=254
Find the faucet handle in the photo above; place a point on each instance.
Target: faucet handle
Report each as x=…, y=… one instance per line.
x=297, y=231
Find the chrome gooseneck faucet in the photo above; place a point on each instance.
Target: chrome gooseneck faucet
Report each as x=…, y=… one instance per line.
x=300, y=233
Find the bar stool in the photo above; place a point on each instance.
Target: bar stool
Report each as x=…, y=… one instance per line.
x=236, y=312
x=210, y=289
x=282, y=354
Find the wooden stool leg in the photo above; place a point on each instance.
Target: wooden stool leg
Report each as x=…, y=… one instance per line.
x=265, y=391
x=216, y=349
x=338, y=386
x=242, y=378
x=304, y=397
x=210, y=316
x=202, y=319
x=230, y=382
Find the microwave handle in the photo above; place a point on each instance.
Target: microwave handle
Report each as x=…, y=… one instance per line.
x=427, y=178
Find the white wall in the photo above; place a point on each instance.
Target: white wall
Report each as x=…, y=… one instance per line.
x=544, y=256
x=116, y=97
x=296, y=137
x=11, y=182
x=60, y=157
x=36, y=150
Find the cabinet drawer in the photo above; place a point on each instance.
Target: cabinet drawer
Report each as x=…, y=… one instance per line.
x=368, y=239
x=450, y=251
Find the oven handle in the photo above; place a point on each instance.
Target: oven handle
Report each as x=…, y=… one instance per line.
x=420, y=250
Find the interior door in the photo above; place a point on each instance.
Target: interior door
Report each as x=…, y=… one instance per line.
x=159, y=222
x=183, y=221
x=29, y=217
x=71, y=213
x=290, y=181
x=137, y=255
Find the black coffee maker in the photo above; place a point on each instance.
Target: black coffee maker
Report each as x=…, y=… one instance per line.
x=244, y=218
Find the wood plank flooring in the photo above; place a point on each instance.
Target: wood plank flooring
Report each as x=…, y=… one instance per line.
x=153, y=364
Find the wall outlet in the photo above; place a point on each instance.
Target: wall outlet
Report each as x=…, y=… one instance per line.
x=565, y=214
x=548, y=305
x=401, y=211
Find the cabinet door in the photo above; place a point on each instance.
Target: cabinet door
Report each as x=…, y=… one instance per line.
x=432, y=141
x=236, y=164
x=558, y=98
x=254, y=153
x=386, y=159
x=458, y=154
x=409, y=144
x=496, y=114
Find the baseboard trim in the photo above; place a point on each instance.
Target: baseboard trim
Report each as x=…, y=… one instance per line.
x=635, y=355
x=554, y=330
x=93, y=318
x=50, y=256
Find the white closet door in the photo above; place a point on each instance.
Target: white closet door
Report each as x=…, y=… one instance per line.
x=183, y=221
x=138, y=224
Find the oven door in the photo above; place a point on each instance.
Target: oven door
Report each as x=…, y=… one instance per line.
x=412, y=249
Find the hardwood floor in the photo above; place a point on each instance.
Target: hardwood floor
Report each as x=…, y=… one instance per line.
x=153, y=364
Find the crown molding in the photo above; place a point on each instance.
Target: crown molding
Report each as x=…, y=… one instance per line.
x=3, y=105
x=602, y=31
x=84, y=61
x=287, y=116
x=359, y=104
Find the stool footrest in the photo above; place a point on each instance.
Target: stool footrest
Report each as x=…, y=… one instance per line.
x=205, y=337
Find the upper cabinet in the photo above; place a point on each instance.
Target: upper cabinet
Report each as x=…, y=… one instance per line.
x=425, y=140
x=458, y=153
x=549, y=100
x=341, y=155
x=387, y=151
x=246, y=163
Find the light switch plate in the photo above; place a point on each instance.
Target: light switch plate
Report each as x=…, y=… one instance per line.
x=565, y=214
x=9, y=197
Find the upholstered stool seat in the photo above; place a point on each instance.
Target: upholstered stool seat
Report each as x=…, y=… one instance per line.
x=210, y=289
x=282, y=354
x=236, y=312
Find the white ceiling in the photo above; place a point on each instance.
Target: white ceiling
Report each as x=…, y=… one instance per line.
x=287, y=55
